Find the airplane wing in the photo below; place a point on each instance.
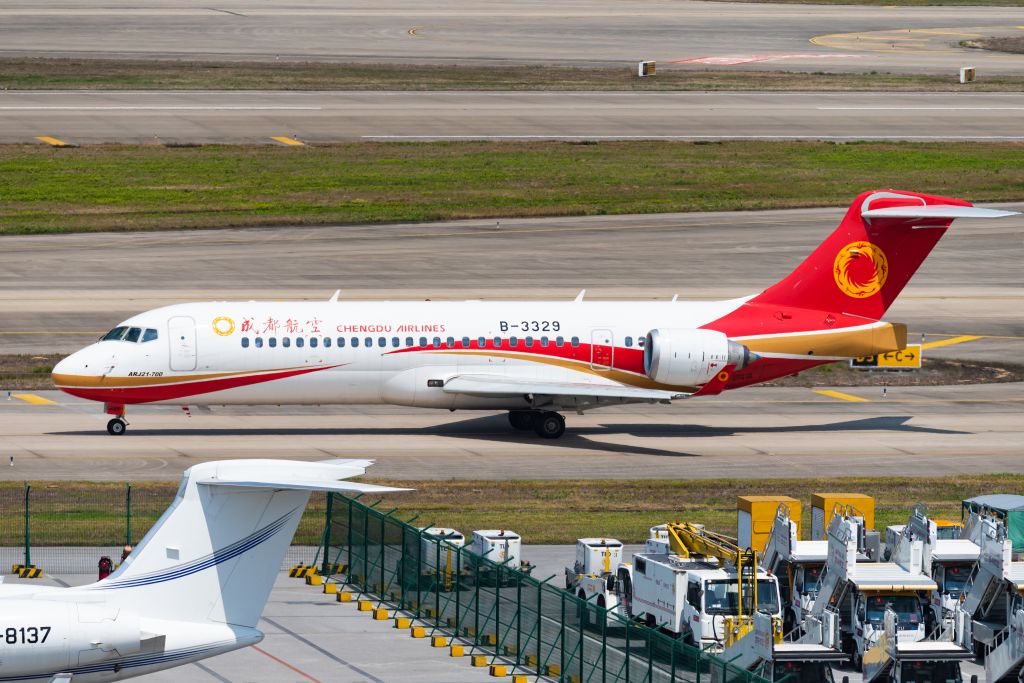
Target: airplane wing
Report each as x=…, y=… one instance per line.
x=496, y=386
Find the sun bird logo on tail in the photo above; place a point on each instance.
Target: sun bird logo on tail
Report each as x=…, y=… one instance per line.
x=860, y=269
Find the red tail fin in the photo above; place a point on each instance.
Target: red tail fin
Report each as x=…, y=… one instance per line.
x=862, y=266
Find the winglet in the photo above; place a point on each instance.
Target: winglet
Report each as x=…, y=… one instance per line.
x=579, y=297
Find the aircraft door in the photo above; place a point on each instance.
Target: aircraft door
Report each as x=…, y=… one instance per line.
x=182, y=339
x=602, y=349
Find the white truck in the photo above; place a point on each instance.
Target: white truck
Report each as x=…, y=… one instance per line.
x=592, y=577
x=893, y=659
x=439, y=555
x=697, y=585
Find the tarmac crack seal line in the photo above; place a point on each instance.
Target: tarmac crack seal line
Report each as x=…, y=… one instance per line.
x=325, y=653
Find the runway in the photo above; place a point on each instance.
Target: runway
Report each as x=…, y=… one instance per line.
x=59, y=292
x=583, y=32
x=929, y=431
x=80, y=117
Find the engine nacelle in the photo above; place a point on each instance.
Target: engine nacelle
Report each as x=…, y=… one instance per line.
x=690, y=357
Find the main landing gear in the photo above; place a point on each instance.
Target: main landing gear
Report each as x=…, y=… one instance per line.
x=546, y=423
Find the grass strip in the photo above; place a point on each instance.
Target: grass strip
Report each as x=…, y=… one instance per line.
x=86, y=513
x=102, y=74
x=148, y=187
x=1013, y=44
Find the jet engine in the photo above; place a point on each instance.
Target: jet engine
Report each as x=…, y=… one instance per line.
x=689, y=357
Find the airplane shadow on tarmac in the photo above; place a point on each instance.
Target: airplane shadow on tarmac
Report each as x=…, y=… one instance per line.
x=496, y=428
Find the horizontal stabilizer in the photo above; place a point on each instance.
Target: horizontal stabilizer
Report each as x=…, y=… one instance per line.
x=936, y=211
x=297, y=485
x=327, y=475
x=494, y=386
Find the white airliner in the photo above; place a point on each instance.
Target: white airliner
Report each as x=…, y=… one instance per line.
x=194, y=587
x=530, y=358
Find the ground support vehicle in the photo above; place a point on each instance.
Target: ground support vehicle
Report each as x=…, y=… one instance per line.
x=503, y=547
x=994, y=603
x=593, y=576
x=764, y=652
x=891, y=659
x=440, y=562
x=853, y=596
x=697, y=585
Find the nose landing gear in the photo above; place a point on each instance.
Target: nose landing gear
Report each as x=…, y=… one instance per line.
x=117, y=426
x=547, y=424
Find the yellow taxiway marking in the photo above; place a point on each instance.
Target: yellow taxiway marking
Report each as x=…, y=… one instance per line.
x=51, y=141
x=412, y=32
x=949, y=342
x=840, y=395
x=284, y=140
x=35, y=400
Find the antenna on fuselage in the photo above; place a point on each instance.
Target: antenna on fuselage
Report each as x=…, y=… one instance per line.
x=579, y=297
x=334, y=297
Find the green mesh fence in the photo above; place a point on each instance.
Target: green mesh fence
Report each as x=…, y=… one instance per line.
x=501, y=611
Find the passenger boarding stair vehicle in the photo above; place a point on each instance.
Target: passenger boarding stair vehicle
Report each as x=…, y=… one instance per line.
x=797, y=564
x=194, y=587
x=698, y=585
x=995, y=604
x=893, y=659
x=849, y=609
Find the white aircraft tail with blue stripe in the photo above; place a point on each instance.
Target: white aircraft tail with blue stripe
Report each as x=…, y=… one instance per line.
x=214, y=554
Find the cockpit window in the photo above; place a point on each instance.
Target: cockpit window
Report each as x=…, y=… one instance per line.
x=149, y=335
x=133, y=334
x=114, y=334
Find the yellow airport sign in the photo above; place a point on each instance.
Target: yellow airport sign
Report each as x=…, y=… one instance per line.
x=909, y=357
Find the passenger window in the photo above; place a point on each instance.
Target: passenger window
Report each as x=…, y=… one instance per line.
x=513, y=341
x=423, y=341
x=437, y=342
x=133, y=334
x=327, y=342
x=497, y=342
x=368, y=342
x=481, y=342
x=529, y=342
x=395, y=342
x=312, y=342
x=408, y=341
x=355, y=342
x=259, y=342
x=575, y=342
x=299, y=342
x=451, y=342
x=341, y=342
x=465, y=342
x=545, y=342
x=286, y=342
x=559, y=342
x=272, y=342
x=149, y=335
x=245, y=342
x=628, y=341
x=381, y=341
x=114, y=334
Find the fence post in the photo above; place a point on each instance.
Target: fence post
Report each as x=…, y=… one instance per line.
x=327, y=530
x=519, y=619
x=28, y=543
x=458, y=590
x=128, y=514
x=561, y=636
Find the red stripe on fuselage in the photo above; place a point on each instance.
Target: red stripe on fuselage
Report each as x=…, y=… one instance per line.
x=169, y=392
x=625, y=359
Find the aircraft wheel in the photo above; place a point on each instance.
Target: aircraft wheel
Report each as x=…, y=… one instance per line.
x=116, y=427
x=521, y=419
x=549, y=425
